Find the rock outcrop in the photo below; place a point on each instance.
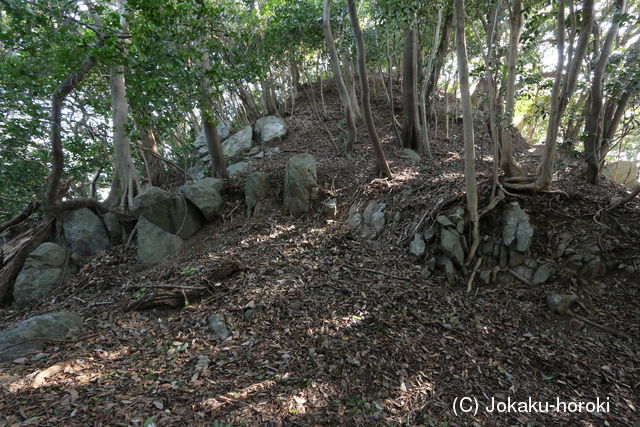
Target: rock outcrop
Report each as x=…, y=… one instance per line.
x=205, y=195
x=155, y=244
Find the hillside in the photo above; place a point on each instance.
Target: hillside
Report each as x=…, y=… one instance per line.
x=329, y=327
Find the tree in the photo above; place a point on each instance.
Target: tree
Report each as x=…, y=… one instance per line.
x=345, y=98
x=382, y=167
x=411, y=123
x=471, y=186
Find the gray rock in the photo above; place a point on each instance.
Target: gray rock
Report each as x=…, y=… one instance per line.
x=408, y=153
x=485, y=276
x=218, y=326
x=450, y=245
x=542, y=274
x=593, y=268
x=41, y=273
x=330, y=208
x=56, y=326
x=378, y=219
x=271, y=151
x=238, y=168
x=169, y=211
x=154, y=243
x=84, y=232
x=114, y=229
x=300, y=184
x=457, y=215
x=355, y=219
x=205, y=195
x=444, y=221
x=270, y=130
x=238, y=144
x=560, y=304
x=515, y=258
x=258, y=194
x=201, y=141
x=516, y=227
x=417, y=248
x=449, y=269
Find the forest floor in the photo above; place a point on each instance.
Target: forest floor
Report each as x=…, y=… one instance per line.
x=344, y=331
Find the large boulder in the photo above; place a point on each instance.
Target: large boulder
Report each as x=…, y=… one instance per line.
x=270, y=130
x=154, y=243
x=53, y=326
x=258, y=194
x=41, y=273
x=238, y=168
x=300, y=184
x=205, y=195
x=169, y=211
x=238, y=144
x=85, y=232
x=114, y=229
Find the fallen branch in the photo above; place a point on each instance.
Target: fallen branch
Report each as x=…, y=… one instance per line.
x=191, y=288
x=26, y=213
x=369, y=270
x=520, y=278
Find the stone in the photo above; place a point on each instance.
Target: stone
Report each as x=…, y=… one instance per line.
x=258, y=194
x=238, y=168
x=542, y=274
x=270, y=130
x=409, y=154
x=378, y=219
x=485, y=276
x=451, y=246
x=457, y=215
x=223, y=129
x=515, y=258
x=40, y=274
x=85, y=232
x=449, y=269
x=355, y=218
x=594, y=268
x=444, y=221
x=205, y=195
x=330, y=208
x=417, y=248
x=238, y=144
x=560, y=304
x=114, y=229
x=429, y=234
x=154, y=243
x=218, y=326
x=55, y=326
x=516, y=227
x=300, y=184
x=169, y=211
x=271, y=151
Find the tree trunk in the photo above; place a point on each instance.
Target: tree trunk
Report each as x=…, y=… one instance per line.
x=345, y=99
x=218, y=166
x=593, y=123
x=471, y=186
x=269, y=98
x=382, y=167
x=247, y=100
x=423, y=92
x=507, y=163
x=124, y=183
x=411, y=121
x=351, y=86
x=441, y=54
x=150, y=154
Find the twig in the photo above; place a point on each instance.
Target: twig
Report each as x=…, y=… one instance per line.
x=599, y=326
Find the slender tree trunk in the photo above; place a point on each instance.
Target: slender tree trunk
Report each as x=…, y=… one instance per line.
x=507, y=163
x=268, y=97
x=471, y=185
x=411, y=123
x=345, y=99
x=562, y=91
x=351, y=86
x=593, y=123
x=382, y=167
x=218, y=165
x=441, y=54
x=150, y=153
x=423, y=91
x=247, y=101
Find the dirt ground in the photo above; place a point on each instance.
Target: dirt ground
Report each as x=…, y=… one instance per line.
x=345, y=331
